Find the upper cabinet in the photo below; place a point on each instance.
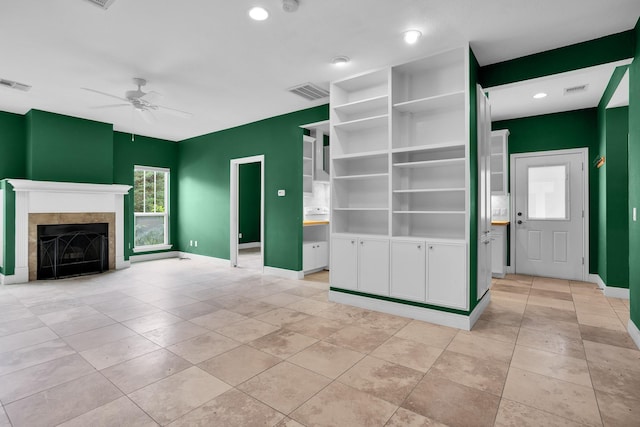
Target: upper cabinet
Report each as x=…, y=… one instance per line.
x=499, y=159
x=315, y=154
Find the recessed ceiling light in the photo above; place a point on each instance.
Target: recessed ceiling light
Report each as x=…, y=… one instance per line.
x=258, y=13
x=412, y=36
x=540, y=95
x=340, y=61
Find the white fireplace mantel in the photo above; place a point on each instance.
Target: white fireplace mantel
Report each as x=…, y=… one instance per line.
x=62, y=197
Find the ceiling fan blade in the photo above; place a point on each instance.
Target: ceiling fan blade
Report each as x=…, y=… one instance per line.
x=173, y=111
x=147, y=116
x=110, y=106
x=106, y=94
x=152, y=97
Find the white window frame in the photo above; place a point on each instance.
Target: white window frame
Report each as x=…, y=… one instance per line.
x=166, y=214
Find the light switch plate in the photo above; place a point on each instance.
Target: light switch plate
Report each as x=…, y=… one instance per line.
x=281, y=193
x=634, y=214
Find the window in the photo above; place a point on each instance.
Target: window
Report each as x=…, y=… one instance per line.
x=547, y=192
x=151, y=208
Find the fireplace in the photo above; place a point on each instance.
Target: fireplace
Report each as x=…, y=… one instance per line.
x=67, y=250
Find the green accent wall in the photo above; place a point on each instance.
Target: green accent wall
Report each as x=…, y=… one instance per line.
x=473, y=181
x=634, y=179
x=203, y=174
x=68, y=149
x=145, y=151
x=606, y=49
x=12, y=145
x=573, y=129
x=249, y=202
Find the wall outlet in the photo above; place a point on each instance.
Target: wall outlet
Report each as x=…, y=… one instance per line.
x=239, y=235
x=281, y=193
x=190, y=242
x=196, y=244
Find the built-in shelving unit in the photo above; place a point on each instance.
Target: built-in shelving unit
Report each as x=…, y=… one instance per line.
x=499, y=157
x=307, y=163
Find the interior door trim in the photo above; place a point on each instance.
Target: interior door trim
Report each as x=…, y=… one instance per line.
x=584, y=152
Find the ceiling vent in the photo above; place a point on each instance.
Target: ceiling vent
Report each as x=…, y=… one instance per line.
x=14, y=85
x=309, y=91
x=575, y=89
x=102, y=3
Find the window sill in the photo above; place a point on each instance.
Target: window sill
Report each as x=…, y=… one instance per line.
x=152, y=248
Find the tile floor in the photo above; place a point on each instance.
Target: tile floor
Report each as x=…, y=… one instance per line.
x=195, y=343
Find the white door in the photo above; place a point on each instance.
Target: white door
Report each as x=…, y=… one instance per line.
x=549, y=214
x=373, y=266
x=447, y=275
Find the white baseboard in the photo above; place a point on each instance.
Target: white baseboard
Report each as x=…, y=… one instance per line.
x=155, y=256
x=419, y=313
x=198, y=257
x=609, y=291
x=509, y=269
x=20, y=275
x=281, y=272
x=634, y=332
x=249, y=245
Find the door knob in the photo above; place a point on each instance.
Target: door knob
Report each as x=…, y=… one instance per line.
x=519, y=222
x=519, y=213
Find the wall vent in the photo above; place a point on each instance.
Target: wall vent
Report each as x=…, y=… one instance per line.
x=309, y=91
x=102, y=3
x=14, y=85
x=575, y=89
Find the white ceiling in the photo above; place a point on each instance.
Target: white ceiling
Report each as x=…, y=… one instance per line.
x=209, y=58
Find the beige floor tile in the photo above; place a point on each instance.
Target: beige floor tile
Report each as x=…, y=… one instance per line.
x=171, y=334
x=514, y=414
x=509, y=313
x=152, y=321
x=551, y=302
x=405, y=418
x=618, y=411
x=483, y=374
x=34, y=379
x=358, y=339
x=451, y=403
x=118, y=351
x=508, y=297
x=623, y=316
x=558, y=397
x=412, y=354
x=281, y=299
x=67, y=315
x=607, y=336
x=139, y=372
x=566, y=296
x=51, y=307
x=19, y=325
x=26, y=339
x=285, y=386
x=613, y=356
x=520, y=278
x=247, y=330
x=233, y=408
x=569, y=330
x=309, y=306
x=174, y=396
x=315, y=327
x=573, y=370
x=341, y=405
x=606, y=322
x=238, y=365
x=83, y=324
x=381, y=322
x=63, y=402
x=97, y=337
x=203, y=347
x=15, y=360
x=173, y=302
x=4, y=420
x=427, y=333
x=536, y=312
x=494, y=330
x=218, y=319
x=615, y=381
x=282, y=343
x=304, y=291
x=594, y=309
x=120, y=412
x=549, y=341
x=481, y=347
x=511, y=287
x=326, y=359
x=282, y=317
x=252, y=308
x=549, y=284
x=382, y=379
x=190, y=311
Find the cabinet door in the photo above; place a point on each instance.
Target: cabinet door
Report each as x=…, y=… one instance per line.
x=308, y=256
x=408, y=270
x=447, y=275
x=321, y=254
x=498, y=250
x=373, y=266
x=344, y=263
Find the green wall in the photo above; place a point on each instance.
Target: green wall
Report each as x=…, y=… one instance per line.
x=12, y=145
x=249, y=202
x=203, y=175
x=145, y=151
x=634, y=180
x=69, y=149
x=574, y=129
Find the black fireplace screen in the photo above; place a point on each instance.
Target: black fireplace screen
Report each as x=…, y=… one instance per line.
x=68, y=250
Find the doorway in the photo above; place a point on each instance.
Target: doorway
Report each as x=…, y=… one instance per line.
x=549, y=228
x=246, y=237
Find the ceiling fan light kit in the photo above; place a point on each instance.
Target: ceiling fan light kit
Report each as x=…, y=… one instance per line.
x=104, y=4
x=290, y=5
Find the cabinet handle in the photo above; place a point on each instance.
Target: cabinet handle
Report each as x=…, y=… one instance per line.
x=430, y=247
x=353, y=242
x=361, y=243
x=419, y=246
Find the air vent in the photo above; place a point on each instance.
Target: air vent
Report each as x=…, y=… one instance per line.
x=309, y=91
x=102, y=3
x=575, y=89
x=14, y=85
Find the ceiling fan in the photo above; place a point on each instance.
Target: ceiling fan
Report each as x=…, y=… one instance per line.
x=143, y=102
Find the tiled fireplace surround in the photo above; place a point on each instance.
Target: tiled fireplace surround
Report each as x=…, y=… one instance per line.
x=43, y=202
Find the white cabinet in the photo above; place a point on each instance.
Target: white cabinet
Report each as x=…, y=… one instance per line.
x=498, y=250
x=499, y=158
x=373, y=266
x=484, y=193
x=315, y=256
x=344, y=262
x=307, y=163
x=408, y=270
x=446, y=275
